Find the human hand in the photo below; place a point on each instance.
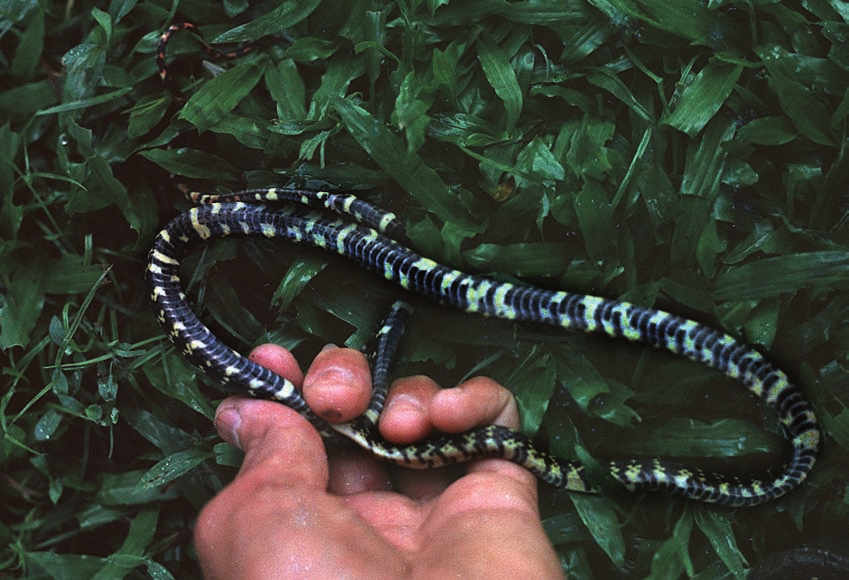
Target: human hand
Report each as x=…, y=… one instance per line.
x=290, y=514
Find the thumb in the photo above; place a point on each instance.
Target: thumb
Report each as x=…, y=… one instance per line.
x=278, y=443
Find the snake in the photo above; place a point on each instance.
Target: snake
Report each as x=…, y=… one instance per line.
x=373, y=238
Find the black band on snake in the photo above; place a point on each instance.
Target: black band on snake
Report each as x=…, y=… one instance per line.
x=369, y=236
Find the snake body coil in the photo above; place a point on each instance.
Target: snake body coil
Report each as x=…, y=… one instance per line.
x=367, y=235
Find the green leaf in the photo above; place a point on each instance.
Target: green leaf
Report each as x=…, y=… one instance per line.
x=83, y=72
x=595, y=215
x=131, y=553
x=606, y=79
x=536, y=376
x=684, y=437
x=105, y=22
x=145, y=115
x=224, y=305
x=311, y=49
x=67, y=275
x=565, y=528
x=501, y=77
x=716, y=525
x=701, y=99
x=64, y=566
x=250, y=132
x=406, y=168
x=780, y=274
x=434, y=4
x=334, y=83
x=118, y=9
x=158, y=571
x=86, y=103
x=288, y=91
x=170, y=468
x=691, y=19
x=411, y=112
x=47, y=425
x=465, y=130
x=296, y=279
x=692, y=222
x=30, y=47
x=173, y=377
x=767, y=131
x=226, y=454
x=102, y=189
x=192, y=163
x=168, y=438
x=800, y=103
x=672, y=558
x=217, y=97
x=537, y=160
x=11, y=214
x=121, y=489
x=521, y=260
x=21, y=304
x=582, y=143
x=26, y=99
x=284, y=16
x=599, y=516
x=706, y=160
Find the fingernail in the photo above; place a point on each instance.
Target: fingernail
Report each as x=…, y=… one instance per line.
x=228, y=422
x=329, y=346
x=404, y=402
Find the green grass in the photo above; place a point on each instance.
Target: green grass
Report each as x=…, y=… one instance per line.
x=678, y=153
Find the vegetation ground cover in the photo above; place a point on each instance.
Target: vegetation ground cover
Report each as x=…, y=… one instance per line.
x=684, y=154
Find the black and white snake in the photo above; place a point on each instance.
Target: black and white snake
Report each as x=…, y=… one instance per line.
x=369, y=236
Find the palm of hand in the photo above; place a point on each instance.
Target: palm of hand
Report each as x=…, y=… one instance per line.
x=291, y=514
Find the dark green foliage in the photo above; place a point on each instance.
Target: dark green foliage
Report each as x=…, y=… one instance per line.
x=679, y=153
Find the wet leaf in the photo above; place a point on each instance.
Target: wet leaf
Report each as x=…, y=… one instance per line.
x=170, y=468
